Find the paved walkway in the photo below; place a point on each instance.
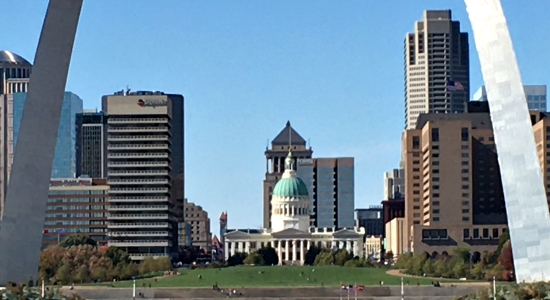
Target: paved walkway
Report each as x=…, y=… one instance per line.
x=398, y=273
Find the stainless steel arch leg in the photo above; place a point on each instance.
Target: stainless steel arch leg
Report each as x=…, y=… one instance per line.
x=25, y=209
x=524, y=191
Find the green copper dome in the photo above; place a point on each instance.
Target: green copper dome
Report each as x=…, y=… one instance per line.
x=290, y=185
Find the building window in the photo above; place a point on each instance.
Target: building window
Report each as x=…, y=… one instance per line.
x=495, y=233
x=466, y=233
x=476, y=233
x=436, y=203
x=435, y=134
x=435, y=219
x=485, y=233
x=435, y=211
x=465, y=219
x=416, y=142
x=466, y=211
x=465, y=134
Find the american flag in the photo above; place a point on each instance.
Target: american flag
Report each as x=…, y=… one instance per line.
x=455, y=86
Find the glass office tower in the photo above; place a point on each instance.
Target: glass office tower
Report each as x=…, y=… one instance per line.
x=64, y=164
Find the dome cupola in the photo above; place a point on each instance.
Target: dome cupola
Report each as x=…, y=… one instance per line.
x=290, y=185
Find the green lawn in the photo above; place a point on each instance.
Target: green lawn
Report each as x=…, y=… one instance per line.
x=276, y=276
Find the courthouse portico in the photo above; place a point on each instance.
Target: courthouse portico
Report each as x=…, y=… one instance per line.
x=290, y=235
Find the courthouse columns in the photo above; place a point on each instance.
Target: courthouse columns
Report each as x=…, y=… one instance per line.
x=233, y=246
x=302, y=252
x=247, y=247
x=308, y=244
x=294, y=257
x=280, y=252
x=287, y=250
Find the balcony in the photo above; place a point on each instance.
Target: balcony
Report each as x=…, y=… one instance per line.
x=137, y=181
x=137, y=155
x=137, y=146
x=138, y=129
x=137, y=120
x=142, y=256
x=137, y=173
x=137, y=216
x=138, y=138
x=140, y=243
x=139, y=233
x=138, y=164
x=139, y=191
x=138, y=199
x=138, y=207
x=114, y=226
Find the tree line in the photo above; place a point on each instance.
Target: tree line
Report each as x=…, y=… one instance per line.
x=78, y=259
x=462, y=264
x=315, y=256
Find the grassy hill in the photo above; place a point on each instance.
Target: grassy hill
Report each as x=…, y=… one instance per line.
x=276, y=276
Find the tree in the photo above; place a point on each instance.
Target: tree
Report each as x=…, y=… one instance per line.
x=83, y=274
x=403, y=261
x=506, y=258
x=477, y=271
x=63, y=274
x=311, y=254
x=269, y=256
x=440, y=268
x=342, y=256
x=254, y=258
x=428, y=267
x=388, y=256
x=325, y=258
x=77, y=240
x=236, y=259
x=117, y=256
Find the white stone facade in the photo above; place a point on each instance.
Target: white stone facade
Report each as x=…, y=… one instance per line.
x=291, y=244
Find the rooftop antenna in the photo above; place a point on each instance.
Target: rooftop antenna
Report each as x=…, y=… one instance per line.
x=309, y=143
x=267, y=145
x=127, y=90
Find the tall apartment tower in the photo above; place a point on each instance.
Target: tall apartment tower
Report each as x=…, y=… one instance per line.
x=91, y=146
x=437, y=67
x=331, y=186
x=275, y=157
x=144, y=154
x=453, y=189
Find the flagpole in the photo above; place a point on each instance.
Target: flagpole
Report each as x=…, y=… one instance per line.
x=356, y=291
x=340, y=290
x=43, y=289
x=348, y=292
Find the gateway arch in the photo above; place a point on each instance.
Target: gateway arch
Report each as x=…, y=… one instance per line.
x=526, y=203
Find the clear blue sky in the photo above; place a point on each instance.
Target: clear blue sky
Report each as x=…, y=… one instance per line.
x=333, y=68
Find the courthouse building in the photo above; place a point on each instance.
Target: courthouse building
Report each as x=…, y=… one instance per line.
x=291, y=234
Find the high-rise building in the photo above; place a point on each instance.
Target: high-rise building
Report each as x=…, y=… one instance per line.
x=90, y=144
x=15, y=72
x=453, y=189
x=144, y=155
x=287, y=139
x=394, y=184
x=199, y=222
x=76, y=206
x=535, y=94
x=437, y=70
x=64, y=162
x=330, y=183
x=372, y=219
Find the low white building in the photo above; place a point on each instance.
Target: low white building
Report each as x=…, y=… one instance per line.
x=290, y=235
